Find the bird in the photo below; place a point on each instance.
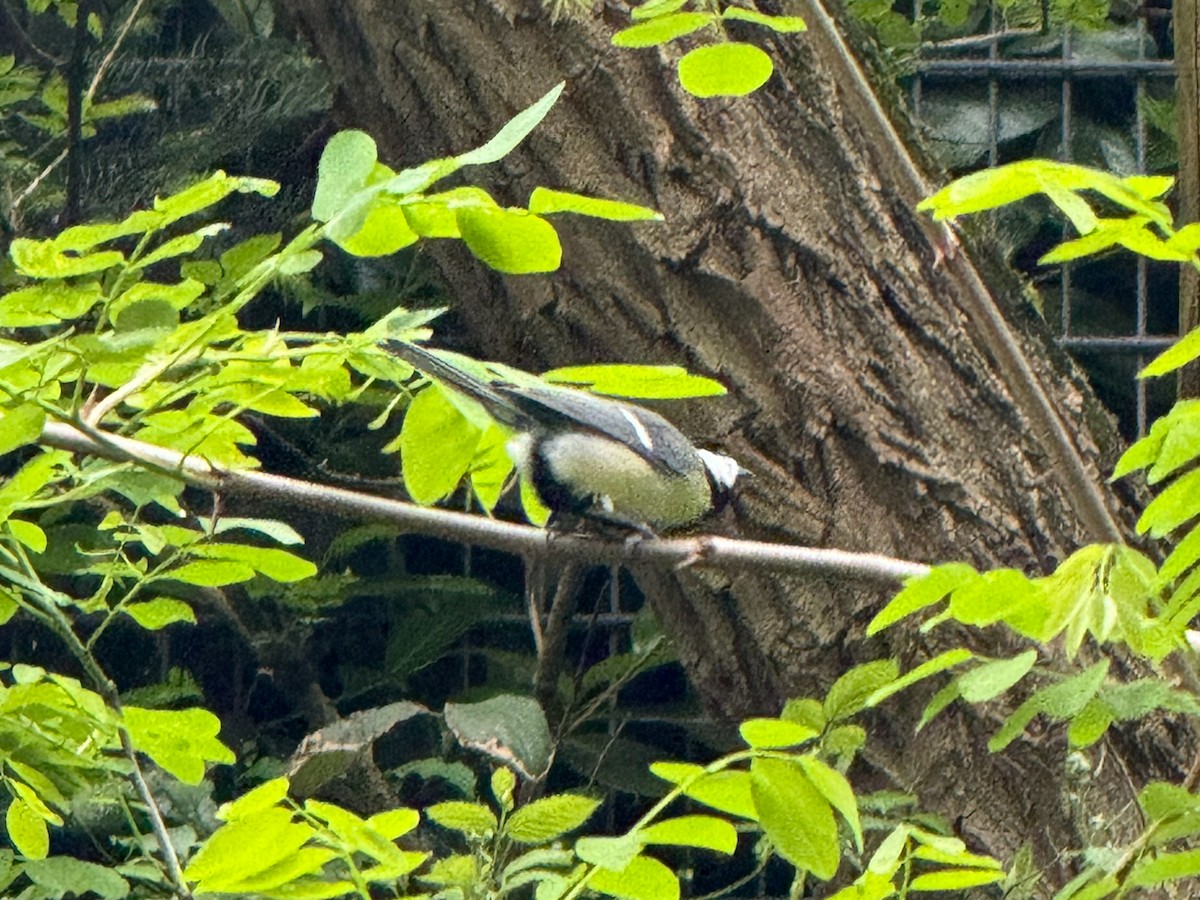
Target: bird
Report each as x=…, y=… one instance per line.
x=590, y=457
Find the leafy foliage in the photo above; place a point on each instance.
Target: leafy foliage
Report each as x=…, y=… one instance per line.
x=726, y=68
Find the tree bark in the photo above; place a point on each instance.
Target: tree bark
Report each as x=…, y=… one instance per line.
x=872, y=397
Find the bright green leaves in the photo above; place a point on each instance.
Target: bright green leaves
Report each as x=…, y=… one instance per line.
x=1101, y=591
x=439, y=445
x=369, y=210
x=1147, y=229
x=272, y=847
x=1061, y=182
x=722, y=69
x=728, y=69
x=181, y=741
x=59, y=737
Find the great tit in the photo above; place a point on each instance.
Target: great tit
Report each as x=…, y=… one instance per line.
x=589, y=456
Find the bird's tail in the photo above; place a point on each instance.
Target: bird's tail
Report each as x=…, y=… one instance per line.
x=465, y=375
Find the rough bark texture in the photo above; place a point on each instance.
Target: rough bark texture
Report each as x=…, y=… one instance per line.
x=869, y=406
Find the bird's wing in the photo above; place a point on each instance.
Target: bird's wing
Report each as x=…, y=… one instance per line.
x=646, y=433
x=465, y=375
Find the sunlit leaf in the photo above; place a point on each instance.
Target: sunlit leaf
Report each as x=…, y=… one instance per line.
x=727, y=69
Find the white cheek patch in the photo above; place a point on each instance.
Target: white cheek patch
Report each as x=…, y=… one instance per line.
x=639, y=429
x=724, y=469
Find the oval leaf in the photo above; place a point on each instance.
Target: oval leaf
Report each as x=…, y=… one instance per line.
x=512, y=241
x=708, y=832
x=549, y=818
x=644, y=878
x=729, y=69
x=797, y=819
x=155, y=614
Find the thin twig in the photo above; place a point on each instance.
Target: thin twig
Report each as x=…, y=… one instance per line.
x=702, y=551
x=112, y=51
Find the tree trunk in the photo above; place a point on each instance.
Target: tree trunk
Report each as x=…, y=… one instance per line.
x=879, y=398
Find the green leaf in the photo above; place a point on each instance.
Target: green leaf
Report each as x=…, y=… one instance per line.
x=27, y=830
x=728, y=791
x=44, y=259
x=437, y=445
x=26, y=533
x=837, y=790
x=1090, y=724
x=794, y=815
x=61, y=875
x=180, y=741
x=280, y=532
x=728, y=69
x=384, y=230
x=1150, y=871
x=248, y=847
x=265, y=795
x=652, y=8
x=278, y=565
x=852, y=692
x=472, y=819
x=177, y=296
x=645, y=878
x=208, y=192
x=211, y=573
x=49, y=303
x=920, y=592
x=548, y=818
x=517, y=129
x=512, y=241
x=1176, y=504
x=346, y=162
x=611, y=853
x=459, y=870
x=545, y=201
x=708, y=832
x=770, y=733
x=1174, y=357
x=508, y=727
x=782, y=24
x=1062, y=701
x=955, y=879
x=661, y=29
x=21, y=426
x=183, y=245
x=395, y=823
x=434, y=215
x=503, y=783
x=637, y=382
x=929, y=667
x=155, y=614
x=991, y=679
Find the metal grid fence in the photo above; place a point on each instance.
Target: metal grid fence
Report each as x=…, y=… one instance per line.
x=1115, y=313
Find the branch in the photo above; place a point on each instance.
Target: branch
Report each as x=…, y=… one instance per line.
x=703, y=551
